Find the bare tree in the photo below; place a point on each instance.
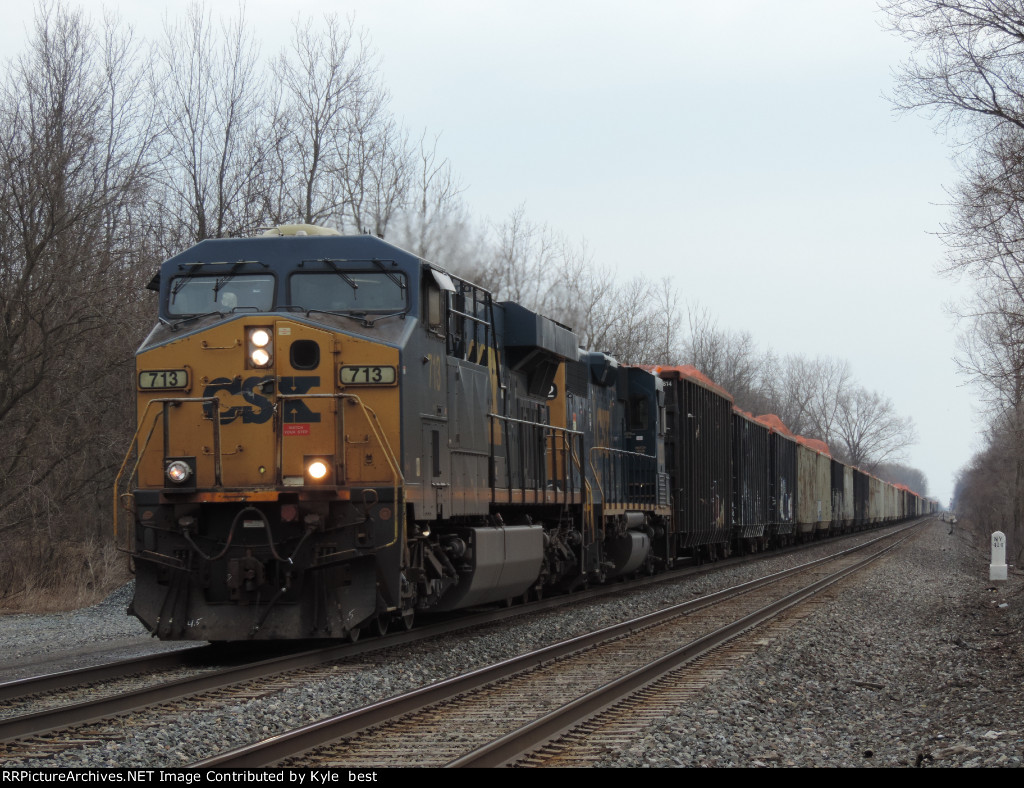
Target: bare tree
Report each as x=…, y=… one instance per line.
x=214, y=144
x=985, y=490
x=325, y=76
x=992, y=356
x=668, y=304
x=897, y=473
x=532, y=265
x=788, y=388
x=634, y=326
x=435, y=223
x=729, y=358
x=867, y=431
x=966, y=60
x=73, y=165
x=382, y=158
x=586, y=296
x=830, y=397
x=967, y=69
x=525, y=257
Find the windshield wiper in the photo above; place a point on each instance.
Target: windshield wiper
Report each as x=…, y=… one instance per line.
x=223, y=280
x=354, y=315
x=364, y=320
x=333, y=263
x=183, y=280
x=389, y=274
x=344, y=277
x=190, y=318
x=370, y=323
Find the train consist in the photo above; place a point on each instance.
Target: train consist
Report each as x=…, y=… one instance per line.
x=334, y=435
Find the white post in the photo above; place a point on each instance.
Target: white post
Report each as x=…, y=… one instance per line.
x=997, y=569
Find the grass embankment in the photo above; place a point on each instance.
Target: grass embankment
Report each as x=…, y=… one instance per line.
x=40, y=576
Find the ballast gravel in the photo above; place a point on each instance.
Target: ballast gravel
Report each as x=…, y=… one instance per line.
x=919, y=662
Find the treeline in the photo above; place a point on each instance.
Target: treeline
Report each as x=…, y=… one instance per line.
x=967, y=71
x=119, y=151
x=646, y=321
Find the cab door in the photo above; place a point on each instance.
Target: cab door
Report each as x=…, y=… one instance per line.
x=435, y=456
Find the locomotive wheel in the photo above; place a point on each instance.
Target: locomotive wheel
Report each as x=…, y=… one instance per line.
x=353, y=635
x=382, y=622
x=407, y=618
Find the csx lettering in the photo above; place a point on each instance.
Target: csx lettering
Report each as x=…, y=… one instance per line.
x=257, y=411
x=260, y=409
x=296, y=411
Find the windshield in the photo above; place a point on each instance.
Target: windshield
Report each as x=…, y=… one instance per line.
x=349, y=291
x=200, y=295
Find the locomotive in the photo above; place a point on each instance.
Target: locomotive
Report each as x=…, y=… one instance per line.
x=334, y=434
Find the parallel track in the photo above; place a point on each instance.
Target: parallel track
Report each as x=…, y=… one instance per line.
x=43, y=731
x=496, y=715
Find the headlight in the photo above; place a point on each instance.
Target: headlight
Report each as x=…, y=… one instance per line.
x=260, y=347
x=260, y=337
x=318, y=469
x=178, y=471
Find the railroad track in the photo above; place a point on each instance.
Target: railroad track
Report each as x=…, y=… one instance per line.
x=57, y=724
x=499, y=715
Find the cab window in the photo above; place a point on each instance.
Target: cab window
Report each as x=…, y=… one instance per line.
x=438, y=283
x=435, y=309
x=349, y=291
x=202, y=295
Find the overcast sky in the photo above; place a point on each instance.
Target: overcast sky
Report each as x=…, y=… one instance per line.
x=745, y=149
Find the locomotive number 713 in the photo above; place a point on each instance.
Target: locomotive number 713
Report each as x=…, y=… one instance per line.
x=367, y=376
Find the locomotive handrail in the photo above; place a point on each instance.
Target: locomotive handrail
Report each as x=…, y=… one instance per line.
x=378, y=432
x=165, y=402
x=551, y=431
x=589, y=525
x=455, y=311
x=624, y=496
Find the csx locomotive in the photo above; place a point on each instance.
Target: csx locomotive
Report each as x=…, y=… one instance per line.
x=334, y=434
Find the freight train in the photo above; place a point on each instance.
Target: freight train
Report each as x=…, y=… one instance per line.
x=334, y=434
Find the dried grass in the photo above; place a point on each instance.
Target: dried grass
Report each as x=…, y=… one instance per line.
x=40, y=576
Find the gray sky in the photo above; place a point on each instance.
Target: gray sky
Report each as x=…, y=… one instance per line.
x=745, y=149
